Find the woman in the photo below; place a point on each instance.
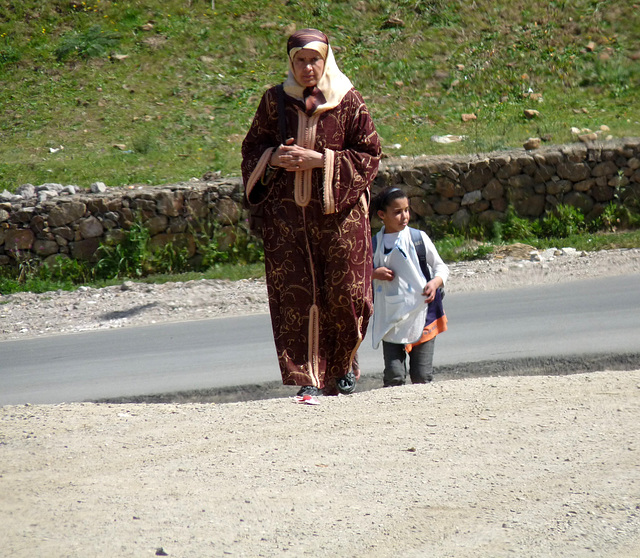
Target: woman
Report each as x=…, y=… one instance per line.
x=312, y=182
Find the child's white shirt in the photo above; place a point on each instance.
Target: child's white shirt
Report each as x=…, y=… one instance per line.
x=400, y=309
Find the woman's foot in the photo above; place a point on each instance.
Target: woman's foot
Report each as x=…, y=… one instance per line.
x=347, y=384
x=308, y=390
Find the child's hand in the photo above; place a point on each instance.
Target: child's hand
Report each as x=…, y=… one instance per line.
x=383, y=274
x=431, y=288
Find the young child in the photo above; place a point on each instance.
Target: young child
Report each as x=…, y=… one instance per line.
x=408, y=311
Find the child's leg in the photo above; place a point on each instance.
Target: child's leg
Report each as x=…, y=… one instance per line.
x=421, y=362
x=394, y=364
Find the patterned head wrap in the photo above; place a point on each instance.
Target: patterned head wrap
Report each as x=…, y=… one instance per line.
x=308, y=38
x=332, y=86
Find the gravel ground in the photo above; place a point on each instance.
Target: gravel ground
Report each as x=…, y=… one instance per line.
x=543, y=466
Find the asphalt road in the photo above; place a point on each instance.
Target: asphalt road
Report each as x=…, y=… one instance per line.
x=578, y=324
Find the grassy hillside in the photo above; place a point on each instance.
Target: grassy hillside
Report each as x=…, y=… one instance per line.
x=156, y=91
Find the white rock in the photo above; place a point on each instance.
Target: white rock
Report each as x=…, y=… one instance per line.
x=569, y=252
x=549, y=253
x=449, y=138
x=98, y=188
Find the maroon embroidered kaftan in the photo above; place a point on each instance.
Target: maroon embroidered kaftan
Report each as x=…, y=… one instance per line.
x=316, y=235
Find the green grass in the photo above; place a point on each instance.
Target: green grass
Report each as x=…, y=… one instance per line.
x=182, y=99
x=459, y=248
x=151, y=92
x=36, y=282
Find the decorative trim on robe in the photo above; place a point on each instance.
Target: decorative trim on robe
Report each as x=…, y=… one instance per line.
x=328, y=198
x=314, y=344
x=364, y=201
x=307, y=127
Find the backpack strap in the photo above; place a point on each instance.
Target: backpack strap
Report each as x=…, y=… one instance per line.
x=256, y=212
x=282, y=120
x=416, y=238
x=421, y=251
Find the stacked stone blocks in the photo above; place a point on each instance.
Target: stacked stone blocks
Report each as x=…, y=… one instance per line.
x=462, y=190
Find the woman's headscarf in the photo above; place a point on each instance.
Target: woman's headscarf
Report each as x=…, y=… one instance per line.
x=332, y=86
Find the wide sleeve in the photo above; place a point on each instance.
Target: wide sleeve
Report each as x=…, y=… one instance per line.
x=435, y=262
x=258, y=146
x=350, y=171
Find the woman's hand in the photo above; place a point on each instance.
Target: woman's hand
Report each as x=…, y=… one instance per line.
x=293, y=158
x=431, y=288
x=383, y=274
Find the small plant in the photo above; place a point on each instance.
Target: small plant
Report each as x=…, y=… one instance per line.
x=610, y=217
x=514, y=227
x=91, y=43
x=624, y=194
x=34, y=276
x=564, y=221
x=69, y=271
x=8, y=55
x=129, y=258
x=481, y=252
x=135, y=257
x=457, y=247
x=170, y=259
x=143, y=144
x=231, y=247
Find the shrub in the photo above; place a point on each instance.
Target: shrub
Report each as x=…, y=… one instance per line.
x=128, y=258
x=69, y=271
x=134, y=256
x=93, y=42
x=8, y=55
x=33, y=276
x=243, y=248
x=564, y=221
x=514, y=227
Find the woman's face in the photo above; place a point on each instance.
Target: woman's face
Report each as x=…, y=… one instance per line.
x=396, y=216
x=308, y=67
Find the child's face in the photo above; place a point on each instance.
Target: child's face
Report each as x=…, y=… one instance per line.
x=396, y=216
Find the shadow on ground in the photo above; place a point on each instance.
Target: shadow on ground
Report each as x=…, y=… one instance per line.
x=553, y=366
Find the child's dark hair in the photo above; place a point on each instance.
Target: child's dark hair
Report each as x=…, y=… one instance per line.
x=385, y=198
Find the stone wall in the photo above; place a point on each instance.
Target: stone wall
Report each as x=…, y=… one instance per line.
x=478, y=189
x=69, y=224
x=52, y=220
